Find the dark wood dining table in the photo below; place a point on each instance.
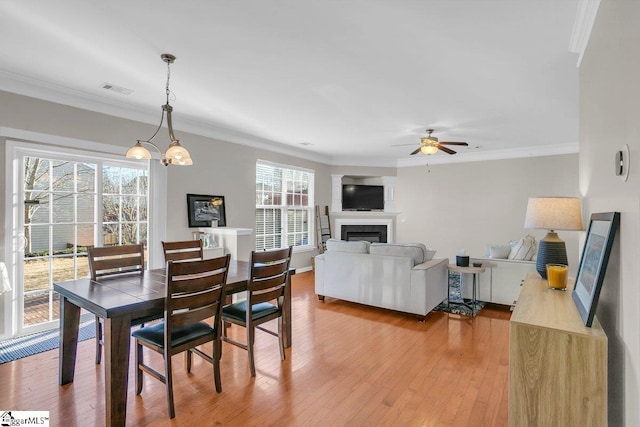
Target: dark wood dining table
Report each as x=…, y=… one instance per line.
x=119, y=301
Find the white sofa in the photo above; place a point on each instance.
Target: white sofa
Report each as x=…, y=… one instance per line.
x=393, y=276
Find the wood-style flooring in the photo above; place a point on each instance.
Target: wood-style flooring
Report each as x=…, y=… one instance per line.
x=350, y=365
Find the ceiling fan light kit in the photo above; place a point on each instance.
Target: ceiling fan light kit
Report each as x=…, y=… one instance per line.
x=176, y=154
x=430, y=145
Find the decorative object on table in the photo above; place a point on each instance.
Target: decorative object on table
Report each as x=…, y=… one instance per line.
x=557, y=276
x=462, y=260
x=593, y=263
x=176, y=154
x=477, y=264
x=206, y=211
x=552, y=213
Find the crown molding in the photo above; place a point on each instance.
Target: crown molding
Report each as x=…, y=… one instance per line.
x=582, y=26
x=46, y=91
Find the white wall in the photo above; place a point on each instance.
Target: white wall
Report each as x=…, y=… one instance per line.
x=609, y=118
x=470, y=205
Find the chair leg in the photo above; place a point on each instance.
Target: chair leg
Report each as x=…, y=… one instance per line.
x=217, y=349
x=169, y=384
x=139, y=362
x=251, y=332
x=187, y=356
x=98, y=340
x=281, y=338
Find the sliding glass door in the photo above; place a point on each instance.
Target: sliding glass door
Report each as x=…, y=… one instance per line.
x=67, y=205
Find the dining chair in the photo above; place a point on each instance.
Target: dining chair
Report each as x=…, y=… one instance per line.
x=187, y=250
x=195, y=291
x=265, y=299
x=109, y=261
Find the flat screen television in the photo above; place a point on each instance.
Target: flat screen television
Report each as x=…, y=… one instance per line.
x=362, y=197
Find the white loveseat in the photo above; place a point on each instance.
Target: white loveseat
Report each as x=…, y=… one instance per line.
x=401, y=277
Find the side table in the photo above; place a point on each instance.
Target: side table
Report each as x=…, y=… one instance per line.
x=474, y=271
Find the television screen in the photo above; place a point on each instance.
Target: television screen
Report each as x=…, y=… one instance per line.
x=362, y=197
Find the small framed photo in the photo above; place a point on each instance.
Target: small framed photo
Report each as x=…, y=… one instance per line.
x=206, y=211
x=593, y=263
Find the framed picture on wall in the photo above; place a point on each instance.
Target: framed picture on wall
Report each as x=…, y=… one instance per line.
x=206, y=211
x=593, y=263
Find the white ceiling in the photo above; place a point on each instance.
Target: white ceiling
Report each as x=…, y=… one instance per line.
x=352, y=78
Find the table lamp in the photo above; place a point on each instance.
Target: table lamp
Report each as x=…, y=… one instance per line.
x=552, y=213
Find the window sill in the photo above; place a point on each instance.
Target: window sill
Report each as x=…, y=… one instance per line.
x=303, y=249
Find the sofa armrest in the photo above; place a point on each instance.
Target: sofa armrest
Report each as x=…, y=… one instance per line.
x=428, y=264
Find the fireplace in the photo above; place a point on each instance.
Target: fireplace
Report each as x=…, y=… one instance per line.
x=370, y=233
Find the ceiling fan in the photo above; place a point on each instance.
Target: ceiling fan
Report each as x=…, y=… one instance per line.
x=430, y=145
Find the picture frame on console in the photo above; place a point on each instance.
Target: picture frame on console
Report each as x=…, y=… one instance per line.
x=593, y=263
x=206, y=211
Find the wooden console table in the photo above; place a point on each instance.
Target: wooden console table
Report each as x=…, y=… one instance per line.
x=557, y=366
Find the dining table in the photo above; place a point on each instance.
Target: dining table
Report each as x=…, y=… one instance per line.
x=120, y=301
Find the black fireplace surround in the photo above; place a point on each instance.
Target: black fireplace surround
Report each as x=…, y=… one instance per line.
x=370, y=233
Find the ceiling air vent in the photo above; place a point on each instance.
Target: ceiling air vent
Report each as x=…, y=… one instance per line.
x=118, y=89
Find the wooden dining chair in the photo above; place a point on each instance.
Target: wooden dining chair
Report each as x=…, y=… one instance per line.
x=195, y=291
x=109, y=261
x=187, y=250
x=265, y=299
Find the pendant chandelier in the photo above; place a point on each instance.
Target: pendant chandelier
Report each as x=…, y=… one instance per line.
x=176, y=154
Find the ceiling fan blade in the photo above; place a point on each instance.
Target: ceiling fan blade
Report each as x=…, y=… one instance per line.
x=403, y=145
x=454, y=143
x=446, y=150
x=416, y=151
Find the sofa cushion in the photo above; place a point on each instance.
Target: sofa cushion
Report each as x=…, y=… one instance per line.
x=417, y=251
x=523, y=249
x=498, y=251
x=359, y=247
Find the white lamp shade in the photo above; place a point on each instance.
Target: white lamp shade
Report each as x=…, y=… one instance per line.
x=554, y=213
x=176, y=153
x=138, y=152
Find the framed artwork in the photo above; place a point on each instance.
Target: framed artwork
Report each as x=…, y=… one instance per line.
x=205, y=210
x=593, y=263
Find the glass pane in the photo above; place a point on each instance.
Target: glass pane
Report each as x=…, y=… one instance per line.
x=111, y=234
x=63, y=268
x=110, y=180
x=63, y=238
x=143, y=182
x=37, y=237
x=110, y=208
x=129, y=181
x=36, y=173
x=36, y=207
x=63, y=175
x=86, y=180
x=36, y=274
x=82, y=264
x=129, y=208
x=36, y=308
x=85, y=238
x=86, y=208
x=144, y=210
x=63, y=207
x=143, y=234
x=129, y=234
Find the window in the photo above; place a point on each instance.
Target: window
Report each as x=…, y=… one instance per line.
x=284, y=206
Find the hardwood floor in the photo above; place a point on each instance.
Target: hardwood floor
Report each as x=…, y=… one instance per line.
x=349, y=365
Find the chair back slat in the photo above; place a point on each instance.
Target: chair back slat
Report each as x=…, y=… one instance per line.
x=269, y=274
x=194, y=291
x=111, y=260
x=183, y=250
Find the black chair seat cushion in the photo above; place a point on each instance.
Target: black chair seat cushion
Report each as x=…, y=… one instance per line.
x=239, y=310
x=155, y=334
